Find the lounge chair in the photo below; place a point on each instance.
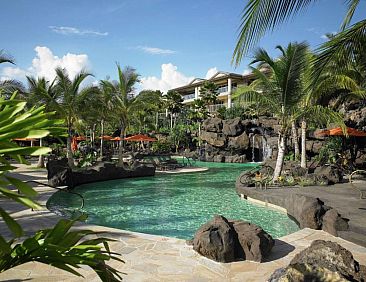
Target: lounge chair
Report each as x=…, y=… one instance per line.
x=353, y=182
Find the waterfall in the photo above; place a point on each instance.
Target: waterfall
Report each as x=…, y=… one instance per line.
x=253, y=150
x=266, y=149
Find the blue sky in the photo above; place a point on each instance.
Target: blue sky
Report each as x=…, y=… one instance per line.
x=167, y=41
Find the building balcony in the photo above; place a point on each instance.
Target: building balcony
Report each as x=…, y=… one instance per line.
x=188, y=97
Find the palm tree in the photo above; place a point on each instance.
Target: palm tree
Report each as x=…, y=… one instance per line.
x=124, y=101
x=174, y=105
x=280, y=92
x=262, y=15
x=39, y=89
x=66, y=99
x=209, y=93
x=9, y=86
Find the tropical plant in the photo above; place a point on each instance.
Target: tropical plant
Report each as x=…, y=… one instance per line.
x=8, y=86
x=209, y=93
x=260, y=16
x=174, y=104
x=58, y=246
x=146, y=118
x=279, y=92
x=66, y=101
x=39, y=89
x=124, y=101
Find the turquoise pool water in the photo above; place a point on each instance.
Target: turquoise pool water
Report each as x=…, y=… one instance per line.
x=174, y=205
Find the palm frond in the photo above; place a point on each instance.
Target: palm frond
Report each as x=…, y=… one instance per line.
x=343, y=47
x=259, y=16
x=352, y=5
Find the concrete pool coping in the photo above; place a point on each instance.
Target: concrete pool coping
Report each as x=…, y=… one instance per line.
x=157, y=258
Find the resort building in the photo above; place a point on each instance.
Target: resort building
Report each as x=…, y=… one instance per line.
x=226, y=83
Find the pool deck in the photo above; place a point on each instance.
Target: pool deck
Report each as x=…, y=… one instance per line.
x=345, y=198
x=183, y=170
x=155, y=258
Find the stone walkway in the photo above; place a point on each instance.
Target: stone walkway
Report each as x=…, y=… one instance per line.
x=345, y=198
x=157, y=258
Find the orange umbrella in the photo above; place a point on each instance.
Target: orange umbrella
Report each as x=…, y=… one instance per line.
x=74, y=144
x=338, y=132
x=106, y=137
x=116, y=139
x=25, y=139
x=80, y=138
x=140, y=137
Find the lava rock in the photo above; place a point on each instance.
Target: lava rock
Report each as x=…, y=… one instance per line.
x=216, y=240
x=232, y=240
x=59, y=173
x=213, y=124
x=214, y=139
x=322, y=261
x=332, y=222
x=332, y=173
x=254, y=243
x=232, y=127
x=240, y=142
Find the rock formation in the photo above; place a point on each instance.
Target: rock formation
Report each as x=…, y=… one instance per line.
x=232, y=240
x=60, y=174
x=322, y=261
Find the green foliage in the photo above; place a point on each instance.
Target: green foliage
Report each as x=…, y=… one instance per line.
x=61, y=248
x=289, y=156
x=233, y=112
x=209, y=93
x=162, y=146
x=331, y=150
x=173, y=102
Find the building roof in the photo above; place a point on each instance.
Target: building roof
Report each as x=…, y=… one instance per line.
x=217, y=76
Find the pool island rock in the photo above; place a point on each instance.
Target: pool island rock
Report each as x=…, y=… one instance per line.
x=60, y=174
x=226, y=240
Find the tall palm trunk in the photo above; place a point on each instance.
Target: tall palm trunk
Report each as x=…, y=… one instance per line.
x=280, y=156
x=303, y=143
x=120, y=149
x=41, y=157
x=295, y=140
x=70, y=158
x=101, y=140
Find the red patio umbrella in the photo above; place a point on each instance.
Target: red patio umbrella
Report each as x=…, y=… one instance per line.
x=338, y=132
x=106, y=137
x=80, y=138
x=140, y=137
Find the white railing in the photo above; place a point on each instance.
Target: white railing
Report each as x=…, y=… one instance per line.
x=189, y=96
x=214, y=108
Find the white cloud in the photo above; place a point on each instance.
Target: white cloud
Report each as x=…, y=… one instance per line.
x=44, y=64
x=67, y=30
x=170, y=78
x=211, y=72
x=325, y=37
x=156, y=51
x=247, y=71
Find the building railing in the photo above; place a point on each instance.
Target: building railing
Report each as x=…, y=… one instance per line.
x=189, y=96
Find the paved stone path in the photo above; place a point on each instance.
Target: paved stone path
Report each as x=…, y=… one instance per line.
x=345, y=198
x=156, y=258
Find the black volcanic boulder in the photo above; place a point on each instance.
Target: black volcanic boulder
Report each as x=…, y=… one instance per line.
x=232, y=127
x=216, y=240
x=322, y=261
x=227, y=241
x=329, y=172
x=213, y=124
x=59, y=173
x=332, y=222
x=254, y=243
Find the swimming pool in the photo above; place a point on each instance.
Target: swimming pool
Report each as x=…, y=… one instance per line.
x=171, y=205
